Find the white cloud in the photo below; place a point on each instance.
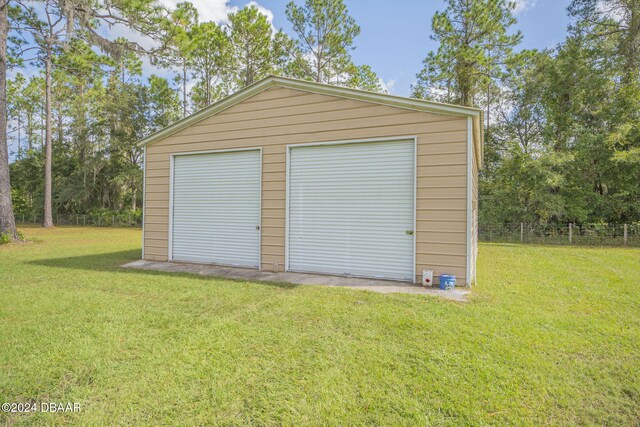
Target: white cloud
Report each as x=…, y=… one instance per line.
x=611, y=11
x=523, y=5
x=264, y=10
x=218, y=10
x=389, y=85
x=209, y=10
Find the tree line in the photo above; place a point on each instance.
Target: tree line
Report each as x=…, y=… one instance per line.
x=562, y=130
x=561, y=124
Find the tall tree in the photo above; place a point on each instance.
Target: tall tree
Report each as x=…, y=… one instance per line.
x=210, y=55
x=620, y=18
x=180, y=32
x=255, y=50
x=474, y=45
x=325, y=32
x=48, y=35
x=7, y=219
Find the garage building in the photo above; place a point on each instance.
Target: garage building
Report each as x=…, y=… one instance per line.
x=291, y=175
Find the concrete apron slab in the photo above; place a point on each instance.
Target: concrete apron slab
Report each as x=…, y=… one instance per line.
x=381, y=286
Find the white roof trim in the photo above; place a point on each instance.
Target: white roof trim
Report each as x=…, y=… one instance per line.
x=320, y=88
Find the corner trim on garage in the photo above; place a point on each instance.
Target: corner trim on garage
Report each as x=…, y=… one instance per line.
x=414, y=138
x=469, y=196
x=171, y=178
x=170, y=238
x=144, y=191
x=415, y=208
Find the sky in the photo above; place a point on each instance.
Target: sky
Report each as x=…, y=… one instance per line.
x=395, y=35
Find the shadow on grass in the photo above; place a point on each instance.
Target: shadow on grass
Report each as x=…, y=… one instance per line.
x=111, y=262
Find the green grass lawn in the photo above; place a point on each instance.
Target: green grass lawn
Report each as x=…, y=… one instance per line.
x=551, y=336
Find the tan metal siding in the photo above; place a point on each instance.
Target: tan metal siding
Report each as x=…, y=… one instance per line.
x=277, y=117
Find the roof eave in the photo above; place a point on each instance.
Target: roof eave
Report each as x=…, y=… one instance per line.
x=385, y=99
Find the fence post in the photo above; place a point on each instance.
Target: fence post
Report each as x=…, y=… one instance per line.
x=84, y=219
x=570, y=233
x=113, y=220
x=626, y=235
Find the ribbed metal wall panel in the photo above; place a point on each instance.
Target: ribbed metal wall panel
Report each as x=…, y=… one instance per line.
x=216, y=208
x=351, y=209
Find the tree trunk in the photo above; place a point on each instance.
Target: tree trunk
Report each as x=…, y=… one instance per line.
x=134, y=194
x=29, y=131
x=19, y=143
x=60, y=127
x=47, y=221
x=7, y=220
x=184, y=89
x=488, y=107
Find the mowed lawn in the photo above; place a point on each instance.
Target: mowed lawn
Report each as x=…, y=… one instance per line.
x=551, y=336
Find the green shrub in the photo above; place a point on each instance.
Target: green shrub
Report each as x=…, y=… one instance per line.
x=4, y=238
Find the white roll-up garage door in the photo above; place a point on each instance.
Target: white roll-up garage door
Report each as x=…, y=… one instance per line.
x=351, y=209
x=216, y=208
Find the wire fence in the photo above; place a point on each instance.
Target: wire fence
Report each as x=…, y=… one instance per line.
x=94, y=220
x=569, y=234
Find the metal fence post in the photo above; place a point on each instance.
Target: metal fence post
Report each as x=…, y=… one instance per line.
x=570, y=233
x=626, y=235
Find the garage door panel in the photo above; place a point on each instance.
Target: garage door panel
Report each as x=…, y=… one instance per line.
x=351, y=207
x=216, y=208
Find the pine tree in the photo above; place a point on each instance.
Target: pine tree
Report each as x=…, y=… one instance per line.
x=210, y=55
x=474, y=46
x=325, y=32
x=180, y=44
x=7, y=219
x=255, y=50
